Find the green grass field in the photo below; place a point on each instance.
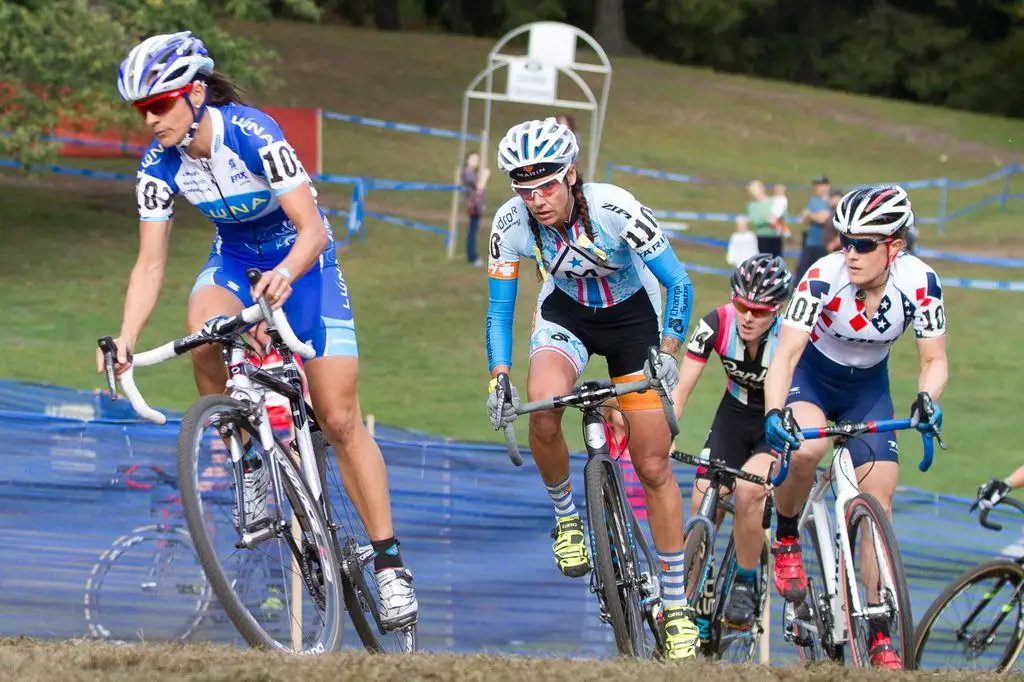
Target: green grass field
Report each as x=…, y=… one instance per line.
x=69, y=243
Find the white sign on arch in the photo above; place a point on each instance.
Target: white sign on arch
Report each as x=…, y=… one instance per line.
x=533, y=79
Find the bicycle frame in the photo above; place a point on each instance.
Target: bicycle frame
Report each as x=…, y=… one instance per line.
x=836, y=551
x=836, y=544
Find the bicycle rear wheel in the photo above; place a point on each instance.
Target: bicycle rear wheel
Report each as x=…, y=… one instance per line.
x=811, y=627
x=616, y=579
x=284, y=591
x=355, y=552
x=886, y=597
x=962, y=627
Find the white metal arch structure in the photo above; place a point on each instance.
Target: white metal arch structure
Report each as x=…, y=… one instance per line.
x=533, y=79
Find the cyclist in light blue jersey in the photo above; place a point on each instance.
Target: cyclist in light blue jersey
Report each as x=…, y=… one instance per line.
x=602, y=257
x=233, y=163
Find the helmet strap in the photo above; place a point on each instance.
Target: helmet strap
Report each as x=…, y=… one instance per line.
x=197, y=117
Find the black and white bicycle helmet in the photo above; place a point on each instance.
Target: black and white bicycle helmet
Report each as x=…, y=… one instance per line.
x=762, y=280
x=875, y=209
x=536, y=148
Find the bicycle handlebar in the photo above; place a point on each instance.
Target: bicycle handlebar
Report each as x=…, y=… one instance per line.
x=992, y=525
x=850, y=429
x=278, y=328
x=587, y=394
x=715, y=465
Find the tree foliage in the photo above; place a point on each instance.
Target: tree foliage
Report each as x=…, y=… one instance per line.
x=61, y=56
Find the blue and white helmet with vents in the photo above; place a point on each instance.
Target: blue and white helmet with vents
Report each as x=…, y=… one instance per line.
x=537, y=148
x=162, y=63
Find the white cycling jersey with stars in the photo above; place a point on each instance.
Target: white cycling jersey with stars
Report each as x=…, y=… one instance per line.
x=825, y=305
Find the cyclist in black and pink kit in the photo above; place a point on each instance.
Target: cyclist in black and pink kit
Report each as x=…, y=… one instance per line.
x=744, y=334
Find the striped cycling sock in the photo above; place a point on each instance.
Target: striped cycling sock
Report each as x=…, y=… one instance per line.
x=561, y=496
x=673, y=582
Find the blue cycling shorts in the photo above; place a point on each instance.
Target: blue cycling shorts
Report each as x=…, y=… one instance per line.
x=319, y=309
x=848, y=394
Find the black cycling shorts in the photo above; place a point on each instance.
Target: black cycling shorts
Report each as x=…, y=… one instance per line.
x=736, y=434
x=622, y=333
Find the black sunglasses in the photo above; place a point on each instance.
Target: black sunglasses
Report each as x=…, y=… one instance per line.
x=862, y=245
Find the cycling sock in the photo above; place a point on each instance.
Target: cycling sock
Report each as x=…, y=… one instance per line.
x=877, y=626
x=251, y=458
x=673, y=583
x=746, y=575
x=386, y=554
x=561, y=496
x=786, y=526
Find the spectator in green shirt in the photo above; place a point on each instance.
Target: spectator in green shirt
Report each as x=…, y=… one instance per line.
x=760, y=219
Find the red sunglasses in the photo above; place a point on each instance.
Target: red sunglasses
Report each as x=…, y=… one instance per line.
x=160, y=105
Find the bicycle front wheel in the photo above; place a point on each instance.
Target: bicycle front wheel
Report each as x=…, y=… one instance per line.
x=617, y=581
x=976, y=623
x=280, y=584
x=879, y=584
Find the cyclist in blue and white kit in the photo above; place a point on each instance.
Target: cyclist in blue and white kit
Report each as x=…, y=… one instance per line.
x=601, y=256
x=233, y=163
x=851, y=306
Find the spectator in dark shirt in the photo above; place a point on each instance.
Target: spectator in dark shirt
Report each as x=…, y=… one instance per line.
x=814, y=216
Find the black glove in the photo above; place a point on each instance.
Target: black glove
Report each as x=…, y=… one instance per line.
x=991, y=493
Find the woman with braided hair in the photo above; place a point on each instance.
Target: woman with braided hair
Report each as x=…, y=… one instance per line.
x=601, y=257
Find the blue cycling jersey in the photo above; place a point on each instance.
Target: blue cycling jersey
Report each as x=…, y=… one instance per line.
x=629, y=253
x=250, y=165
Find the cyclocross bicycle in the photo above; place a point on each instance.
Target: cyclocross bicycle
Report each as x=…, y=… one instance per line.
x=724, y=641
x=319, y=563
x=962, y=626
x=836, y=612
x=626, y=580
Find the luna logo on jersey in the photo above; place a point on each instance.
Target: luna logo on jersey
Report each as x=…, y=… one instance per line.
x=250, y=127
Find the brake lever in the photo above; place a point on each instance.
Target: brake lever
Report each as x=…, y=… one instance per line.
x=109, y=349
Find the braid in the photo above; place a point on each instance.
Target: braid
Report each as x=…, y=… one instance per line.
x=535, y=231
x=582, y=207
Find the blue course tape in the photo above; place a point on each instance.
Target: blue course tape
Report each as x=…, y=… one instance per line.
x=82, y=142
x=405, y=222
x=952, y=282
x=382, y=184
x=403, y=127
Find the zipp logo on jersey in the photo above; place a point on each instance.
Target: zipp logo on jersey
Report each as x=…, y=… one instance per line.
x=251, y=127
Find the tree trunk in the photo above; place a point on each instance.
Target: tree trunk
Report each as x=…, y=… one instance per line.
x=457, y=22
x=385, y=15
x=610, y=27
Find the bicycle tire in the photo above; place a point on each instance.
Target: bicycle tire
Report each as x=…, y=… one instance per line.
x=299, y=496
x=599, y=508
x=355, y=589
x=162, y=534
x=997, y=568
x=865, y=505
x=821, y=648
x=719, y=628
x=698, y=553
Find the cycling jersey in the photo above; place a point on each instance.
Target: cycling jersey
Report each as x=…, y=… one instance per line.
x=250, y=166
x=825, y=304
x=629, y=253
x=719, y=331
x=844, y=368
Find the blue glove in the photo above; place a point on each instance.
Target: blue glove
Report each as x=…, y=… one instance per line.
x=925, y=414
x=776, y=433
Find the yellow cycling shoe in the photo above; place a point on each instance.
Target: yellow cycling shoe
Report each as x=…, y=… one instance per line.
x=571, y=546
x=681, y=634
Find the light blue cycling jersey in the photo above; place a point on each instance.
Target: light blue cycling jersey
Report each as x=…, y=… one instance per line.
x=251, y=164
x=629, y=253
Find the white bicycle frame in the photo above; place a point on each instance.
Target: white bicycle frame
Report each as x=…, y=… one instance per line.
x=836, y=553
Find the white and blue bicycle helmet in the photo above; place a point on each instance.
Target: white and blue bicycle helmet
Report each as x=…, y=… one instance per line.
x=536, y=148
x=162, y=63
